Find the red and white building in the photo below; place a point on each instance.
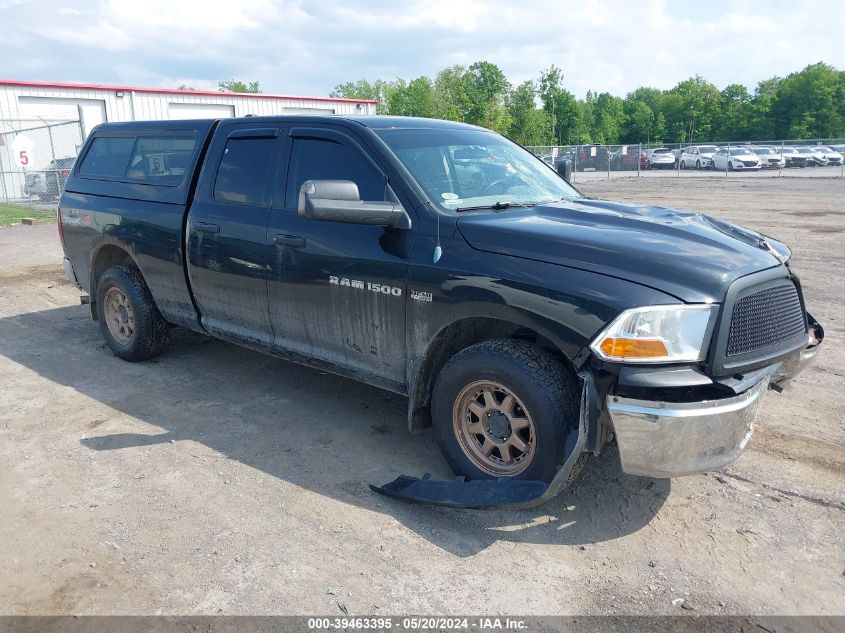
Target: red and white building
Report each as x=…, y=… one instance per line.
x=93, y=104
x=44, y=121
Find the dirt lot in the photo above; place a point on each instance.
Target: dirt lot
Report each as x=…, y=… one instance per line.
x=216, y=480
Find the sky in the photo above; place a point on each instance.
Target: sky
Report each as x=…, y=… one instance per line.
x=306, y=47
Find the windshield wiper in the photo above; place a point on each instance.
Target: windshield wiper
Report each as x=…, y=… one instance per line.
x=498, y=206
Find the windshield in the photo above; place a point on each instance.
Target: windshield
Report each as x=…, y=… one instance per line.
x=740, y=151
x=708, y=149
x=469, y=168
x=763, y=150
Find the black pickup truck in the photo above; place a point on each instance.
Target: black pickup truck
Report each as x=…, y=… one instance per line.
x=528, y=324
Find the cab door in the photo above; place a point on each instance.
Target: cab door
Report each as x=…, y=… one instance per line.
x=337, y=291
x=226, y=233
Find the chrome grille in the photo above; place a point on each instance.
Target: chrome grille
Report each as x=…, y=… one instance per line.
x=765, y=319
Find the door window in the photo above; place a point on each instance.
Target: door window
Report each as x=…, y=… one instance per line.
x=323, y=159
x=244, y=171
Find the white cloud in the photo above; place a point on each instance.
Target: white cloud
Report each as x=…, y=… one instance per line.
x=308, y=46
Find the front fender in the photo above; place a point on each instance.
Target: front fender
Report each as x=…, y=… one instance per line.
x=563, y=307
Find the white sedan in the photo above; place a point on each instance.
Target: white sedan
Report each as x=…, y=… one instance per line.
x=770, y=157
x=698, y=156
x=736, y=158
x=660, y=158
x=815, y=158
x=833, y=157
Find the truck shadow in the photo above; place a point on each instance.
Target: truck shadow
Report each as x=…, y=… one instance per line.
x=309, y=428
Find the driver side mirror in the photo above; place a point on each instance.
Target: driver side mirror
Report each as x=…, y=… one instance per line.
x=339, y=201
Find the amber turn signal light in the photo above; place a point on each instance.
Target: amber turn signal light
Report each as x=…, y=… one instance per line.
x=634, y=348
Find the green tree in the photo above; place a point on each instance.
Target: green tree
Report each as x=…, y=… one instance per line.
x=529, y=126
x=644, y=119
x=733, y=118
x=564, y=115
x=487, y=90
x=421, y=97
x=761, y=124
x=608, y=118
x=233, y=85
x=451, y=94
x=811, y=103
x=378, y=90
x=690, y=109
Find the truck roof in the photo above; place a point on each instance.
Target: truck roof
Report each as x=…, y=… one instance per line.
x=372, y=122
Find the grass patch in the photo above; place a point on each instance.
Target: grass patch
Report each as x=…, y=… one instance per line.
x=14, y=213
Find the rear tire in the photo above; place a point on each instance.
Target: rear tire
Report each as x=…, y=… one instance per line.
x=683, y=164
x=505, y=408
x=130, y=321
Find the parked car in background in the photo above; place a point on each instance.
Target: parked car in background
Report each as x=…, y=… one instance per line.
x=660, y=158
x=736, y=158
x=838, y=148
x=815, y=158
x=592, y=157
x=833, y=156
x=793, y=158
x=770, y=157
x=49, y=183
x=628, y=158
x=698, y=156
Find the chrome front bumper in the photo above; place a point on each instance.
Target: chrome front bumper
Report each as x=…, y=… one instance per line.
x=666, y=439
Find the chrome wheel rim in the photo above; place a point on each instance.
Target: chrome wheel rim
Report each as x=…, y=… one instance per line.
x=494, y=428
x=119, y=316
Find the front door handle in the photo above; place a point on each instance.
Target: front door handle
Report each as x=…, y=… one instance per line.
x=206, y=227
x=291, y=241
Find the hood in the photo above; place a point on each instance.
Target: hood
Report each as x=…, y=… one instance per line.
x=688, y=255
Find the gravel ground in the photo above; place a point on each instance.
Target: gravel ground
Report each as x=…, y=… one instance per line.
x=217, y=480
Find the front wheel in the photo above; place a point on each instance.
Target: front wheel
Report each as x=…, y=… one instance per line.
x=698, y=164
x=683, y=164
x=505, y=409
x=730, y=166
x=130, y=321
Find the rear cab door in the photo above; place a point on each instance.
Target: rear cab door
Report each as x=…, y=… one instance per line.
x=226, y=232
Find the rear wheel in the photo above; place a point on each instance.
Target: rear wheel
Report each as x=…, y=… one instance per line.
x=504, y=409
x=683, y=164
x=130, y=322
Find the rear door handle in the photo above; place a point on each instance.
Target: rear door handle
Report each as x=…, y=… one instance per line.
x=291, y=241
x=206, y=227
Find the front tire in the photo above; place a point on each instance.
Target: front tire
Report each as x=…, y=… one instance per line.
x=505, y=409
x=130, y=321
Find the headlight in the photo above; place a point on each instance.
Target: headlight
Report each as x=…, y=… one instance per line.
x=657, y=334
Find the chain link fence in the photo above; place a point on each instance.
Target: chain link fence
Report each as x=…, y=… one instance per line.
x=36, y=157
x=800, y=158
